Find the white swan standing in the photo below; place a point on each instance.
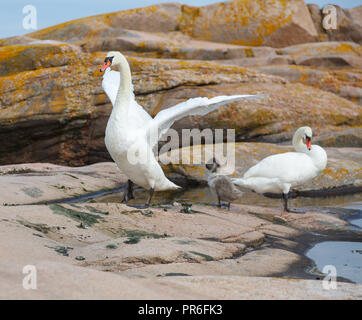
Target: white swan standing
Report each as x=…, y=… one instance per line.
x=131, y=132
x=279, y=172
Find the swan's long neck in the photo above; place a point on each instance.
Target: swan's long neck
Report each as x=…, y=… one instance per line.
x=124, y=93
x=298, y=144
x=317, y=154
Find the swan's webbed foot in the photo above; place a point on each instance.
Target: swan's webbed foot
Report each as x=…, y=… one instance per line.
x=294, y=210
x=215, y=205
x=128, y=192
x=222, y=205
x=286, y=209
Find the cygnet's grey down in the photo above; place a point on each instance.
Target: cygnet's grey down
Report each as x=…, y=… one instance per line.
x=221, y=185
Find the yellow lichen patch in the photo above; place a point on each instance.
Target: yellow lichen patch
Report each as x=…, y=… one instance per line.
x=324, y=49
x=332, y=80
x=335, y=173
x=110, y=24
x=239, y=22
x=343, y=48
x=84, y=27
x=18, y=58
x=249, y=52
x=17, y=81
x=47, y=91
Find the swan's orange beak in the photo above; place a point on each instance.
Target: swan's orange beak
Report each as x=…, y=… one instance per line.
x=106, y=65
x=308, y=142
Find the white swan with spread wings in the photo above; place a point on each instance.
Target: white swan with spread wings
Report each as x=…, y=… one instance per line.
x=132, y=133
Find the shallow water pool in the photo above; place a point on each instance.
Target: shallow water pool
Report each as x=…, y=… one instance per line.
x=345, y=256
x=204, y=195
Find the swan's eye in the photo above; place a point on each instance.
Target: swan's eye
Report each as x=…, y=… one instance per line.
x=107, y=63
x=108, y=60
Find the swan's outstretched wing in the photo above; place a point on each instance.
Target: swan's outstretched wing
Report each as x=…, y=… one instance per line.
x=110, y=85
x=196, y=106
x=158, y=126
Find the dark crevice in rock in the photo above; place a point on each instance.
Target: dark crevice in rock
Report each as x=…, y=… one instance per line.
x=325, y=192
x=181, y=85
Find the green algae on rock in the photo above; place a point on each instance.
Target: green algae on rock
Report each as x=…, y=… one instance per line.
x=85, y=218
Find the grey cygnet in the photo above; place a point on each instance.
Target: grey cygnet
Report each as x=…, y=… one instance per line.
x=221, y=185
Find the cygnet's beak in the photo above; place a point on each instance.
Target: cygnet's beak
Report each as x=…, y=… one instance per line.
x=308, y=142
x=106, y=65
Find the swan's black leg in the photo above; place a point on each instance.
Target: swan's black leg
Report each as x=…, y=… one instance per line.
x=285, y=198
x=219, y=202
x=150, y=197
x=221, y=205
x=147, y=204
x=128, y=192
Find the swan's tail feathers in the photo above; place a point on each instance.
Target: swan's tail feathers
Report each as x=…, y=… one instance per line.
x=239, y=182
x=167, y=185
x=175, y=187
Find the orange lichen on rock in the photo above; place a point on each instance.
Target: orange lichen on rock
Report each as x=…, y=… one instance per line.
x=157, y=18
x=51, y=93
x=248, y=22
x=323, y=49
x=276, y=23
x=18, y=58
